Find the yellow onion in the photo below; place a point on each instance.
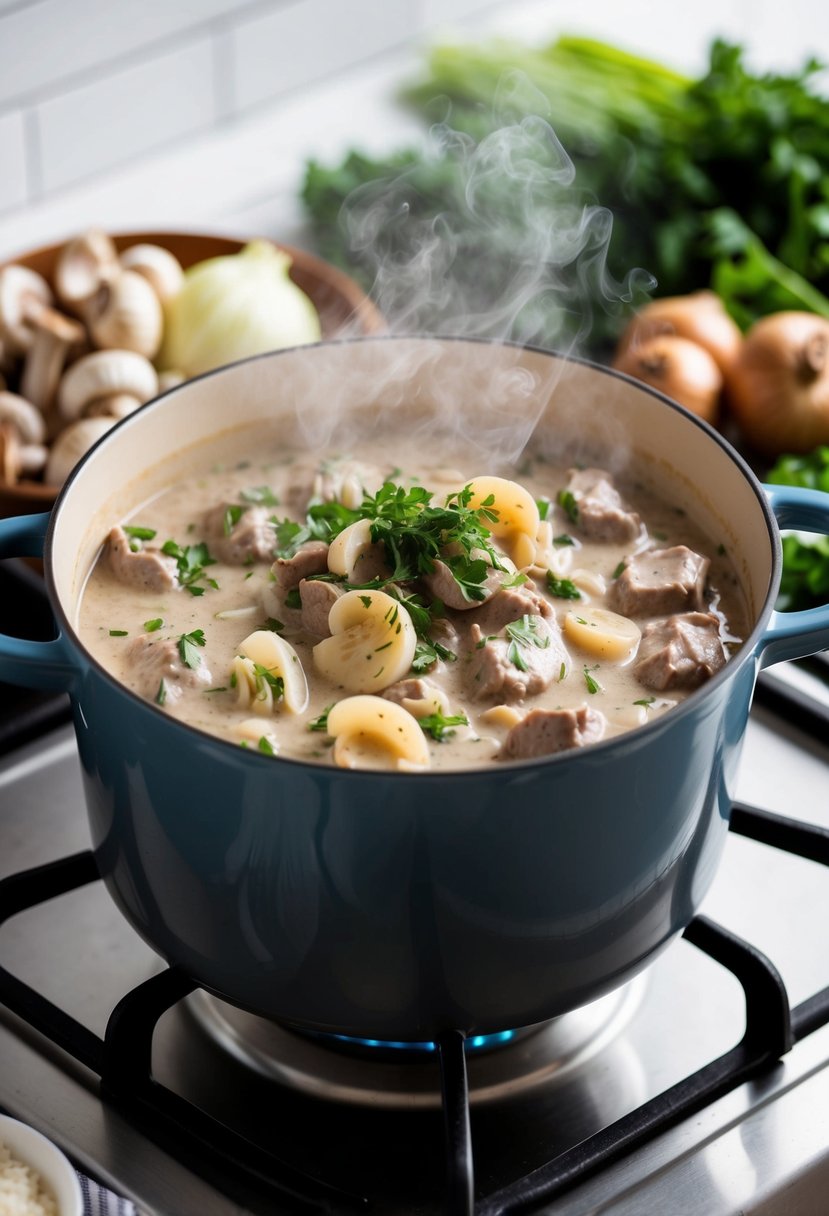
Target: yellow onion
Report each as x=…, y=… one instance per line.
x=234, y=306
x=680, y=369
x=778, y=389
x=699, y=316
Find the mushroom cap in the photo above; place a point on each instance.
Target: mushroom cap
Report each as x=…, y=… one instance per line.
x=126, y=314
x=23, y=293
x=24, y=416
x=105, y=373
x=160, y=268
x=71, y=445
x=82, y=266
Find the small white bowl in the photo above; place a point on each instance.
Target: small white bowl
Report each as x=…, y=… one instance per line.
x=46, y=1159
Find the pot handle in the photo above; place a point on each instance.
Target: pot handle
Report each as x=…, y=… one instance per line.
x=32, y=664
x=792, y=635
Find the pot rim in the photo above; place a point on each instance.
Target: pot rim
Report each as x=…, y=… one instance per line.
x=676, y=715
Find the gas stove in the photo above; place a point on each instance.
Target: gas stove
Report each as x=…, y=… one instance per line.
x=699, y=1088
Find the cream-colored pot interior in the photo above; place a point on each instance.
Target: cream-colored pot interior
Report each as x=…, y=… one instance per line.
x=491, y=398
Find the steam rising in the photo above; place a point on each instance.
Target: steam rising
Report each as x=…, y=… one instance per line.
x=517, y=252
x=520, y=252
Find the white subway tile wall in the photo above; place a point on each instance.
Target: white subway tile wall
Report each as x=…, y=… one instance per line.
x=94, y=93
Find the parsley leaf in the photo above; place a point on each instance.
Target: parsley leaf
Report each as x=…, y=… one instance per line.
x=562, y=588
x=592, y=685
x=192, y=561
x=266, y=746
x=232, y=515
x=438, y=725
x=153, y=625
x=118, y=633
x=262, y=496
x=139, y=533
x=567, y=501
x=320, y=723
x=187, y=648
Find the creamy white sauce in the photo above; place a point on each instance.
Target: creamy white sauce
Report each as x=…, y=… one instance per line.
x=112, y=615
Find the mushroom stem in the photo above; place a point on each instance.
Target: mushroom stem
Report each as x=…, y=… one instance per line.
x=53, y=337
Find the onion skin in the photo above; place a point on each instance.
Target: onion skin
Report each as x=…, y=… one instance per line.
x=680, y=369
x=778, y=390
x=699, y=316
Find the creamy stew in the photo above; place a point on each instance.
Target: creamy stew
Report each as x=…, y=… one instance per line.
x=390, y=613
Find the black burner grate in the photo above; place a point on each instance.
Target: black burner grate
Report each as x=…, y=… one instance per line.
x=122, y=1060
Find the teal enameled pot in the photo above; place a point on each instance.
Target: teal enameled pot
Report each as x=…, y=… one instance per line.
x=393, y=906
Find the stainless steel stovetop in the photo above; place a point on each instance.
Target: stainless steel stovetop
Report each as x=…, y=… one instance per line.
x=372, y=1130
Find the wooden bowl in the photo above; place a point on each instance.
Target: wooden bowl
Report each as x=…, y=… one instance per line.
x=342, y=305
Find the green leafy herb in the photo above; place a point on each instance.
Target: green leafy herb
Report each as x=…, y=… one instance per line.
x=118, y=633
x=262, y=496
x=266, y=746
x=231, y=517
x=439, y=725
x=188, y=645
x=139, y=533
x=153, y=625
x=566, y=499
x=427, y=654
x=561, y=541
x=161, y=695
x=515, y=580
x=293, y=599
x=320, y=723
x=192, y=562
x=619, y=569
x=805, y=578
x=524, y=633
x=562, y=588
x=646, y=701
x=592, y=685
x=264, y=676
x=273, y=624
x=545, y=507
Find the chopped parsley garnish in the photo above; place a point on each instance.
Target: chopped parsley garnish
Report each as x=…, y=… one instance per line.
x=152, y=626
x=138, y=533
x=566, y=499
x=619, y=569
x=428, y=652
x=293, y=599
x=161, y=695
x=273, y=624
x=266, y=746
x=218, y=688
x=562, y=540
x=562, y=588
x=523, y=633
x=646, y=701
x=262, y=496
x=118, y=633
x=192, y=561
x=439, y=725
x=265, y=676
x=544, y=508
x=320, y=723
x=515, y=580
x=592, y=685
x=365, y=601
x=413, y=531
x=188, y=645
x=231, y=518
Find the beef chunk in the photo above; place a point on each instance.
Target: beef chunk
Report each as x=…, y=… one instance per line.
x=155, y=660
x=661, y=581
x=251, y=539
x=680, y=652
x=444, y=586
x=287, y=574
x=496, y=665
x=543, y=732
x=146, y=569
x=602, y=514
x=510, y=604
x=317, y=599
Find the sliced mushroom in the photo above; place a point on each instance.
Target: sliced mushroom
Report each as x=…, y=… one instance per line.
x=84, y=265
x=22, y=435
x=105, y=373
x=23, y=296
x=54, y=335
x=126, y=314
x=160, y=268
x=71, y=445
